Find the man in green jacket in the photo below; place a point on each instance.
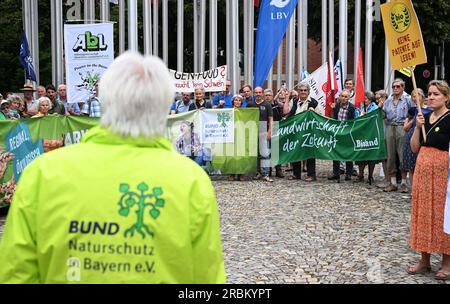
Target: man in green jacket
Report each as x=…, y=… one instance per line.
x=120, y=207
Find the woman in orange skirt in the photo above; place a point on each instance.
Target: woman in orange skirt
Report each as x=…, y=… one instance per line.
x=430, y=182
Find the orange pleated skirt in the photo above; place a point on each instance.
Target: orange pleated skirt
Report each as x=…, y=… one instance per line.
x=428, y=202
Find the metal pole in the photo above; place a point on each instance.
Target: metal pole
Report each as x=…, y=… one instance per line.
x=235, y=46
x=290, y=45
x=388, y=73
x=305, y=33
x=147, y=8
x=132, y=26
x=202, y=42
x=54, y=38
x=324, y=31
x=212, y=34
x=180, y=35
x=246, y=41
x=165, y=31
x=368, y=47
x=155, y=28
x=122, y=22
x=59, y=43
x=251, y=47
x=300, y=32
x=196, y=50
x=104, y=10
x=228, y=38
x=279, y=65
x=357, y=37
x=270, y=78
x=89, y=11
x=331, y=28
x=343, y=35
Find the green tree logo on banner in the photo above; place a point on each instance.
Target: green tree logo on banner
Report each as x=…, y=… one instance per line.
x=223, y=119
x=129, y=199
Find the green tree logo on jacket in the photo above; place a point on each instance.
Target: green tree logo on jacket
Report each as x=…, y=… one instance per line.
x=129, y=199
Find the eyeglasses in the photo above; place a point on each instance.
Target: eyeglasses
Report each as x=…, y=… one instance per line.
x=396, y=86
x=303, y=90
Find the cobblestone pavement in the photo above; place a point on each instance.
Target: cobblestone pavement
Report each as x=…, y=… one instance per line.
x=321, y=232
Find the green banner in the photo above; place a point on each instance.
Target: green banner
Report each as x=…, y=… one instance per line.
x=190, y=135
x=21, y=141
x=309, y=135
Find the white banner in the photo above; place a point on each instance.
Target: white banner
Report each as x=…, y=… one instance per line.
x=89, y=52
x=217, y=126
x=317, y=80
x=212, y=80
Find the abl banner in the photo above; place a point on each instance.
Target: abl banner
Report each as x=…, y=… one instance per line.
x=273, y=19
x=89, y=52
x=211, y=81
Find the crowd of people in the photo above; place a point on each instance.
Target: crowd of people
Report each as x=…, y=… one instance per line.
x=403, y=122
x=46, y=100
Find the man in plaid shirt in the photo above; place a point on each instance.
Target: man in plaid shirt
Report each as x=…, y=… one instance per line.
x=92, y=106
x=344, y=110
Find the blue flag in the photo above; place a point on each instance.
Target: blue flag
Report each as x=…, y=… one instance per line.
x=25, y=59
x=273, y=19
x=305, y=73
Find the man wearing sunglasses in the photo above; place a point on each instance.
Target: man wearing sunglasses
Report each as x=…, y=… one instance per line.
x=396, y=108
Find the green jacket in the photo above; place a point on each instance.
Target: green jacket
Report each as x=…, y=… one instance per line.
x=113, y=210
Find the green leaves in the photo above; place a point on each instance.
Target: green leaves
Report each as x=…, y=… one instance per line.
x=124, y=188
x=157, y=191
x=124, y=211
x=130, y=202
x=154, y=213
x=159, y=203
x=142, y=187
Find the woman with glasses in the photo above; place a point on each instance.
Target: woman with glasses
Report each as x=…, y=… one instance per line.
x=430, y=182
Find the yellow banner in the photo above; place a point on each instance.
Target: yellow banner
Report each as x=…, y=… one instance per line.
x=403, y=34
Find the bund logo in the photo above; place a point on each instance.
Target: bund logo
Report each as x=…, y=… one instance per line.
x=223, y=119
x=280, y=3
x=90, y=43
x=141, y=200
x=400, y=18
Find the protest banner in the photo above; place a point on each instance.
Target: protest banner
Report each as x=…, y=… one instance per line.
x=309, y=135
x=22, y=141
x=403, y=35
x=318, y=82
x=217, y=126
x=89, y=50
x=211, y=81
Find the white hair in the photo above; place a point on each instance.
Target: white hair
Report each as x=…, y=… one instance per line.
x=42, y=99
x=135, y=93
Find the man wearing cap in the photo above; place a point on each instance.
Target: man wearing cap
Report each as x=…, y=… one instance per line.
x=32, y=105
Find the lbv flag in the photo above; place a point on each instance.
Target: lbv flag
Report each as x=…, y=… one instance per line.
x=25, y=59
x=273, y=19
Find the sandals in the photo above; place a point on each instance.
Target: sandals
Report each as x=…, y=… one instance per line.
x=310, y=179
x=231, y=178
x=293, y=177
x=414, y=270
x=442, y=275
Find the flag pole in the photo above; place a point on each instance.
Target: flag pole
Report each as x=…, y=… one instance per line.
x=419, y=105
